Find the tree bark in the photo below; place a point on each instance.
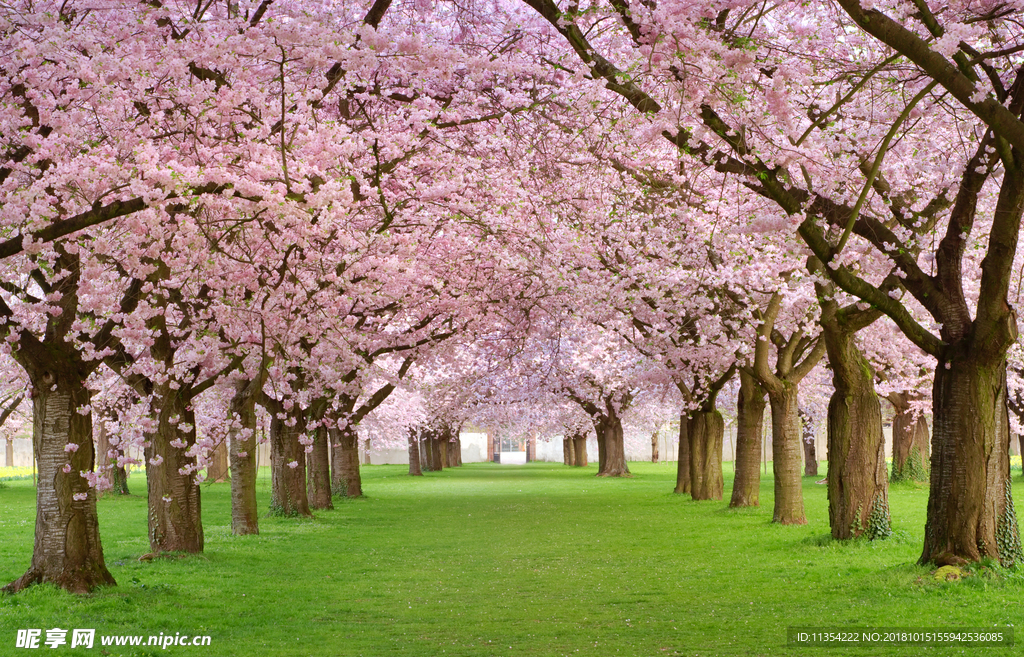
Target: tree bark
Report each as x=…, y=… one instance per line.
x=414, y=455
x=452, y=448
x=746, y=487
x=567, y=451
x=970, y=516
x=108, y=456
x=426, y=447
x=287, y=460
x=683, y=482
x=654, y=446
x=910, y=437
x=438, y=452
x=579, y=450
x=611, y=444
x=858, y=488
x=345, y=481
x=242, y=444
x=318, y=484
x=810, y=453
x=786, y=437
x=706, y=433
x=175, y=517
x=9, y=453
x=217, y=470
x=67, y=550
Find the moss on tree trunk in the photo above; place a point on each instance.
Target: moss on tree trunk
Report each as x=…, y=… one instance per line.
x=750, y=407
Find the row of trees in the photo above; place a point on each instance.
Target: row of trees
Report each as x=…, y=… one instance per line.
x=561, y=213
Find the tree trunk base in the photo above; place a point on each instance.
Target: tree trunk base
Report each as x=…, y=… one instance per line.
x=73, y=581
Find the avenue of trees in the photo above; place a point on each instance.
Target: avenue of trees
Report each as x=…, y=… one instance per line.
x=376, y=221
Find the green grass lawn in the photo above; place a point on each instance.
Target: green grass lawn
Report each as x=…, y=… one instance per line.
x=507, y=560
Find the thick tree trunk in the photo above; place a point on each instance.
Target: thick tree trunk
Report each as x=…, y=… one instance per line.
x=318, y=484
x=438, y=452
x=786, y=437
x=414, y=456
x=242, y=443
x=175, y=518
x=567, y=451
x=345, y=479
x=579, y=450
x=654, y=447
x=458, y=450
x=909, y=441
x=810, y=453
x=746, y=485
x=287, y=462
x=857, y=482
x=613, y=463
x=683, y=463
x=426, y=449
x=217, y=470
x=67, y=549
x=452, y=448
x=706, y=433
x=970, y=508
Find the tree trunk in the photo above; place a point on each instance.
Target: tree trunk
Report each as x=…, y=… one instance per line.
x=602, y=453
x=119, y=480
x=217, y=470
x=970, y=508
x=857, y=482
x=654, y=447
x=683, y=483
x=414, y=455
x=451, y=449
x=579, y=450
x=746, y=486
x=9, y=454
x=786, y=437
x=103, y=459
x=318, y=484
x=426, y=447
x=438, y=452
x=706, y=433
x=614, y=458
x=67, y=549
x=567, y=451
x=107, y=458
x=858, y=497
x=909, y=441
x=242, y=446
x=175, y=518
x=458, y=450
x=287, y=461
x=345, y=479
x=810, y=453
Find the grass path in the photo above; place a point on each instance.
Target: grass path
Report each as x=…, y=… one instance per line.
x=507, y=560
